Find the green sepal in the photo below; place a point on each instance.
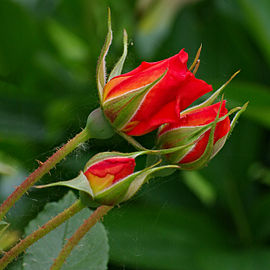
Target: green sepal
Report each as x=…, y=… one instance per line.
x=219, y=144
x=237, y=115
x=143, y=178
x=187, y=136
x=117, y=70
x=196, y=58
x=87, y=200
x=98, y=126
x=126, y=105
x=152, y=159
x=205, y=157
x=118, y=192
x=80, y=183
x=211, y=99
x=101, y=64
x=127, y=187
x=132, y=141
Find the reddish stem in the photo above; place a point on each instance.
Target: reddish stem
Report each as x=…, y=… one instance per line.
x=42, y=170
x=36, y=235
x=99, y=213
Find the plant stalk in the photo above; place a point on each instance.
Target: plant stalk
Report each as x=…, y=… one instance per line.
x=36, y=235
x=42, y=170
x=99, y=213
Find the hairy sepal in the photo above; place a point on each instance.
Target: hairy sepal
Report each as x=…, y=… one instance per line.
x=80, y=183
x=101, y=64
x=117, y=70
x=126, y=105
x=211, y=99
x=127, y=187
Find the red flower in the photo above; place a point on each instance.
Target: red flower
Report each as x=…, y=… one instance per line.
x=152, y=94
x=195, y=126
x=107, y=172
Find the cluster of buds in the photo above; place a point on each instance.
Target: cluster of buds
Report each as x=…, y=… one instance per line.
x=152, y=96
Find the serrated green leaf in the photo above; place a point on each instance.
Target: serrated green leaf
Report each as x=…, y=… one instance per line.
x=90, y=253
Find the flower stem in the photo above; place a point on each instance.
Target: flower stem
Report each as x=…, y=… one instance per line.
x=36, y=235
x=42, y=170
x=83, y=229
x=133, y=142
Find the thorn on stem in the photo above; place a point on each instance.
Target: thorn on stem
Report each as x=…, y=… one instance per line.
x=40, y=163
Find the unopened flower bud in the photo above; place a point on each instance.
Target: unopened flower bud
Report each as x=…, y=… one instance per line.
x=107, y=172
x=194, y=129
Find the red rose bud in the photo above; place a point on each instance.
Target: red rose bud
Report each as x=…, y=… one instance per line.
x=152, y=94
x=109, y=178
x=107, y=172
x=194, y=128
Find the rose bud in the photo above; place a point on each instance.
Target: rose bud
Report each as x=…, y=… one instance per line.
x=107, y=172
x=204, y=129
x=112, y=178
x=109, y=178
x=152, y=94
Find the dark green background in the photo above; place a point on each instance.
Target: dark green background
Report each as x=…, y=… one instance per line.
x=217, y=218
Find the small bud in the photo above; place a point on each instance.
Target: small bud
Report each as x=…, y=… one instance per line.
x=205, y=130
x=109, y=178
x=107, y=172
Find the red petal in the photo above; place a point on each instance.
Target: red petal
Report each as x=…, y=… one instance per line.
x=177, y=90
x=191, y=90
x=170, y=112
x=198, y=117
x=197, y=151
x=119, y=167
x=144, y=74
x=201, y=117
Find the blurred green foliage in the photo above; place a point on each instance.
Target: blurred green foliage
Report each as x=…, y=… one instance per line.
x=217, y=218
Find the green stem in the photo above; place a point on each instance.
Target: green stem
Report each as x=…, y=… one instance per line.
x=83, y=229
x=132, y=141
x=36, y=235
x=42, y=170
